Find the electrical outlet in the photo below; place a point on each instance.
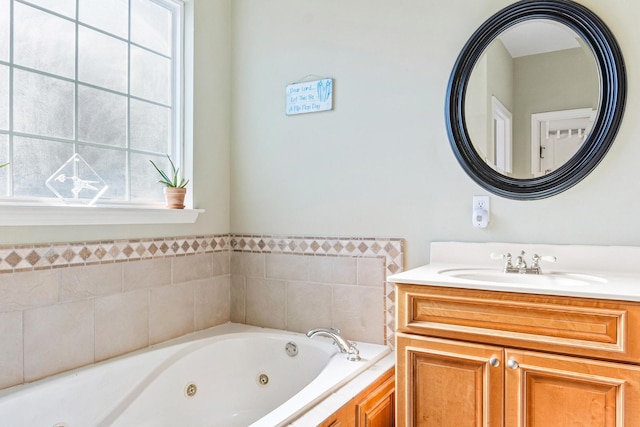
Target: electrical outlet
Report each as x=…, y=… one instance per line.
x=480, y=213
x=481, y=202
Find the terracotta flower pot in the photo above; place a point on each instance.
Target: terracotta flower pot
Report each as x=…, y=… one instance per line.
x=175, y=197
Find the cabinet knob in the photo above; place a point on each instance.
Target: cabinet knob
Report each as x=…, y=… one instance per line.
x=494, y=361
x=512, y=364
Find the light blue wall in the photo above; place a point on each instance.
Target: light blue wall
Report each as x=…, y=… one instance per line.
x=379, y=164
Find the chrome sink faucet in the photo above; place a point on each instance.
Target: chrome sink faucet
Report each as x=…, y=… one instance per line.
x=521, y=265
x=353, y=354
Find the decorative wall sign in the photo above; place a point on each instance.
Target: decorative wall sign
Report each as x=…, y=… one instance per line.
x=309, y=97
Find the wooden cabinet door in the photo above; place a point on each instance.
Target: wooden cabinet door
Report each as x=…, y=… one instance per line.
x=372, y=407
x=377, y=409
x=443, y=383
x=342, y=418
x=545, y=390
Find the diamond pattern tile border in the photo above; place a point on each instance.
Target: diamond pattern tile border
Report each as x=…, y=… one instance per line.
x=20, y=258
x=59, y=255
x=391, y=249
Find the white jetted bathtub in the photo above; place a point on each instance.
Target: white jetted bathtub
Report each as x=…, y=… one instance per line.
x=229, y=375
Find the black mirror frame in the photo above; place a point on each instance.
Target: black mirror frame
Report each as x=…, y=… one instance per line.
x=613, y=90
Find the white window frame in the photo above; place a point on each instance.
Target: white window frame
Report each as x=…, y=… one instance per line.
x=25, y=212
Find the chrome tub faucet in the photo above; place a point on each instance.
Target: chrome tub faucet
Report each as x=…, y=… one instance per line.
x=353, y=354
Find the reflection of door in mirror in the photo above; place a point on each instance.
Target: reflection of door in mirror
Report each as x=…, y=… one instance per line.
x=556, y=136
x=502, y=136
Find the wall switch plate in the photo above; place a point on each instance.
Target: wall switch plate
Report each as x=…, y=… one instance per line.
x=480, y=211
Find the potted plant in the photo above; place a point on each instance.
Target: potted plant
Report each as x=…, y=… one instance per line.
x=175, y=186
x=3, y=165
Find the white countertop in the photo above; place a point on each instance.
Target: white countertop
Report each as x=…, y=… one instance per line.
x=623, y=286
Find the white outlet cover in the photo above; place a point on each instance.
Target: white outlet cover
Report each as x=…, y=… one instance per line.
x=480, y=212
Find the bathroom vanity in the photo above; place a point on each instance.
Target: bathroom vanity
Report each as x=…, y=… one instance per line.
x=479, y=347
x=524, y=343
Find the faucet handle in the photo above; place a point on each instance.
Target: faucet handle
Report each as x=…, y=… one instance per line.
x=508, y=267
x=548, y=258
x=353, y=355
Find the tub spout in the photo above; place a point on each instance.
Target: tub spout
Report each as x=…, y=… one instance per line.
x=353, y=354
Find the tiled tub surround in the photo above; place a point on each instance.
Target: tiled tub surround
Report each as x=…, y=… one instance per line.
x=56, y=319
x=299, y=293
x=67, y=305
x=311, y=281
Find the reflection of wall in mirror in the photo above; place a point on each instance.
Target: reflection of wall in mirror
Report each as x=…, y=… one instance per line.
x=553, y=81
x=476, y=112
x=500, y=86
x=491, y=76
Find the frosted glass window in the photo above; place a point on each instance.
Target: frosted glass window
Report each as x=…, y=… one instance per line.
x=111, y=16
x=149, y=127
x=63, y=7
x=150, y=76
x=151, y=26
x=5, y=19
x=102, y=117
x=43, y=41
x=93, y=87
x=4, y=98
x=34, y=160
x=42, y=105
x=4, y=149
x=4, y=158
x=149, y=189
x=102, y=60
x=111, y=166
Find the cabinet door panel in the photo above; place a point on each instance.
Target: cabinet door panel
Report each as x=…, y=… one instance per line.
x=378, y=408
x=444, y=383
x=550, y=390
x=345, y=417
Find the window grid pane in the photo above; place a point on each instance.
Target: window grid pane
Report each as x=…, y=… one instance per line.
x=43, y=41
x=4, y=98
x=35, y=160
x=83, y=87
x=63, y=7
x=151, y=26
x=42, y=105
x=5, y=28
x=4, y=158
x=102, y=60
x=111, y=16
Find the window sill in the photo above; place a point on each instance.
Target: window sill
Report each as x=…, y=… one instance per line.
x=32, y=214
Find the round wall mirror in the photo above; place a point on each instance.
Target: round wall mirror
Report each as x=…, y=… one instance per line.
x=535, y=98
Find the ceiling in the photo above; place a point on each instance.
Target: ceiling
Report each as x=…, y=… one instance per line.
x=538, y=36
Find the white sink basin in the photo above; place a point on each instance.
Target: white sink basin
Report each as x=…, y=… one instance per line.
x=545, y=279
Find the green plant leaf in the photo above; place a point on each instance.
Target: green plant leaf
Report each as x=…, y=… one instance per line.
x=173, y=181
